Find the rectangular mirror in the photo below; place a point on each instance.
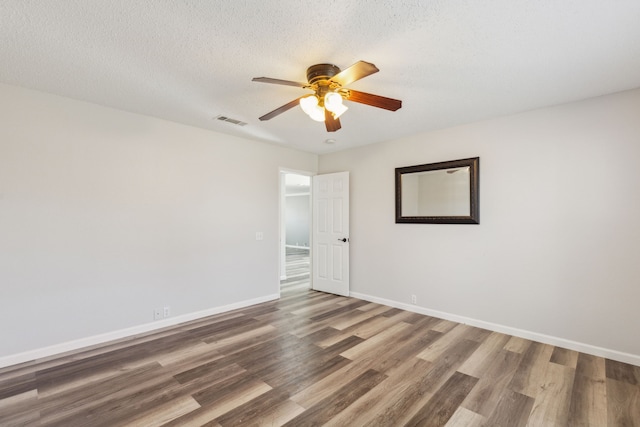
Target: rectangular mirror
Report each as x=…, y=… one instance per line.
x=438, y=193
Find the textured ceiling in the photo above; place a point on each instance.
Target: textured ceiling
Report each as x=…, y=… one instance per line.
x=450, y=62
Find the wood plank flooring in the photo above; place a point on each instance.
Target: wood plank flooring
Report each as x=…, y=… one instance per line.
x=317, y=359
x=297, y=270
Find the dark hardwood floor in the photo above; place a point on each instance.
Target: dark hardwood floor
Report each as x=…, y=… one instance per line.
x=317, y=359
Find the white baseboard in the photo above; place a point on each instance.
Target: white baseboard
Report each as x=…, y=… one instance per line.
x=148, y=327
x=533, y=336
x=124, y=333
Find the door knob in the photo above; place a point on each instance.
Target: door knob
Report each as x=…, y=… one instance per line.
x=344, y=240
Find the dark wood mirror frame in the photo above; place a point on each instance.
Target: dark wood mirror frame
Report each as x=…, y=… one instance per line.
x=474, y=187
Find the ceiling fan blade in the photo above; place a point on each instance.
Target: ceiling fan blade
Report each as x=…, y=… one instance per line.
x=332, y=124
x=279, y=82
x=374, y=100
x=357, y=71
x=281, y=110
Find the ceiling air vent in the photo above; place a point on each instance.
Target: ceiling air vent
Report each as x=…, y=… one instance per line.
x=230, y=120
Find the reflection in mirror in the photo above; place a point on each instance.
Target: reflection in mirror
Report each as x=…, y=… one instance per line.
x=436, y=193
x=445, y=192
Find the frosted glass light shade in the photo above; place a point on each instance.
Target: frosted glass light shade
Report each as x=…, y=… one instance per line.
x=309, y=105
x=317, y=114
x=333, y=103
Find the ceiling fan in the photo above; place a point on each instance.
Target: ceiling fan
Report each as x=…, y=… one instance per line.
x=328, y=83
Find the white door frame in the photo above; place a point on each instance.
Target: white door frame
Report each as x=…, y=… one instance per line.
x=281, y=209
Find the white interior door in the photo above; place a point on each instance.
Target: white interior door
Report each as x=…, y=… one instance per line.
x=330, y=237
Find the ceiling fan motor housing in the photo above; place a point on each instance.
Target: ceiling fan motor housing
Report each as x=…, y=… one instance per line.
x=319, y=72
x=319, y=76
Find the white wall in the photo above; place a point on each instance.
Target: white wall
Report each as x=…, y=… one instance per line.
x=105, y=215
x=557, y=251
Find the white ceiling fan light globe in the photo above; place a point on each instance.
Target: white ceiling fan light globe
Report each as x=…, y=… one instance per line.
x=317, y=114
x=333, y=103
x=337, y=112
x=308, y=103
x=332, y=100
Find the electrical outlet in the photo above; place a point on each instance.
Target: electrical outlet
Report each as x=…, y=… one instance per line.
x=259, y=235
x=157, y=313
x=414, y=299
x=167, y=311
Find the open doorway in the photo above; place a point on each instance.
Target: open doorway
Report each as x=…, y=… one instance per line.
x=295, y=239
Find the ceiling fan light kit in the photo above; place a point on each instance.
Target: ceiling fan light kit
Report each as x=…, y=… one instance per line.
x=313, y=106
x=327, y=82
